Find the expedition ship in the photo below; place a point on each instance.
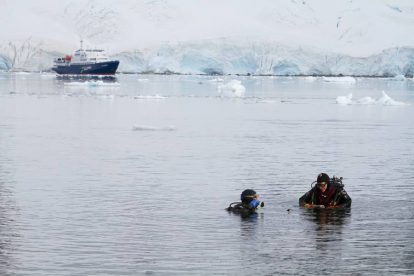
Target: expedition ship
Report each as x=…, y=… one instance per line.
x=85, y=62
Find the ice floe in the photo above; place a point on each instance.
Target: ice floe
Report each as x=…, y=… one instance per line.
x=384, y=100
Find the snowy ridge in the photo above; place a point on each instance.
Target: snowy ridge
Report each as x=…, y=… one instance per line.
x=271, y=37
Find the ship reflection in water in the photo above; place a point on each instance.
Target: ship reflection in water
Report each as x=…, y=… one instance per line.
x=85, y=78
x=102, y=86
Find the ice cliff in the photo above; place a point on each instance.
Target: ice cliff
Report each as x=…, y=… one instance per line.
x=220, y=57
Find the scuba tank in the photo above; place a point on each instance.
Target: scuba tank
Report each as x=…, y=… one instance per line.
x=334, y=180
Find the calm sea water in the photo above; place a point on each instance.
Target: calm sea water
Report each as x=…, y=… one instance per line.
x=131, y=176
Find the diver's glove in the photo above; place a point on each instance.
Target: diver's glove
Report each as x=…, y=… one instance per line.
x=256, y=204
x=311, y=206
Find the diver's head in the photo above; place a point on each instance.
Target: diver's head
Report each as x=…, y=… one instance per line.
x=322, y=181
x=248, y=195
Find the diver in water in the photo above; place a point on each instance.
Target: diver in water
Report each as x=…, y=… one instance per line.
x=249, y=203
x=327, y=193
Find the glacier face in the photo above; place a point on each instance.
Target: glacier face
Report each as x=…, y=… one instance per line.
x=277, y=37
x=229, y=57
x=264, y=59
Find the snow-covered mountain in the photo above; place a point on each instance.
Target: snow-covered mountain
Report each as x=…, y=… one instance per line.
x=282, y=37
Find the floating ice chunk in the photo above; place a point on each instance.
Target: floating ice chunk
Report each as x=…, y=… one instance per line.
x=232, y=89
x=109, y=97
x=102, y=83
x=260, y=101
x=344, y=100
x=21, y=73
x=267, y=101
x=217, y=80
x=399, y=78
x=97, y=83
x=150, y=97
x=348, y=80
x=366, y=100
x=310, y=78
x=47, y=76
x=152, y=128
x=384, y=100
x=76, y=83
x=387, y=100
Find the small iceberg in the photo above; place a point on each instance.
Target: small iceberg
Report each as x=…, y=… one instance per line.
x=387, y=100
x=344, y=100
x=232, y=89
x=384, y=100
x=399, y=78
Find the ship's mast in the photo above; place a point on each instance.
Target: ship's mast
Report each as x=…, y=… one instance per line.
x=81, y=42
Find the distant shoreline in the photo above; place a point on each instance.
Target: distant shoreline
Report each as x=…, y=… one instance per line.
x=223, y=75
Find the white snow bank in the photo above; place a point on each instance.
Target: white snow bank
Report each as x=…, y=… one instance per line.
x=384, y=100
x=232, y=89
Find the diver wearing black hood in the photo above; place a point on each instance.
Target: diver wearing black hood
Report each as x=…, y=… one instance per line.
x=249, y=203
x=327, y=193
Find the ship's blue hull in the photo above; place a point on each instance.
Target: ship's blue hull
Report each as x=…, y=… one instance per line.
x=101, y=68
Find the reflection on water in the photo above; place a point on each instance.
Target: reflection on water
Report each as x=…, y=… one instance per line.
x=77, y=78
x=324, y=217
x=102, y=86
x=328, y=225
x=8, y=232
x=83, y=194
x=249, y=225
